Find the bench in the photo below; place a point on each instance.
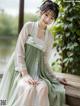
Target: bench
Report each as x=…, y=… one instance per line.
x=72, y=89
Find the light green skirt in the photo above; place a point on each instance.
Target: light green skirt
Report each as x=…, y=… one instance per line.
x=34, y=58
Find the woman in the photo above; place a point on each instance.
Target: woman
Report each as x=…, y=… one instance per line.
x=29, y=80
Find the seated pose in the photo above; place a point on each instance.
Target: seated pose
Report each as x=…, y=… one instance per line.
x=28, y=80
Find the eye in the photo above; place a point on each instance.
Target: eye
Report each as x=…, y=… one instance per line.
x=52, y=18
x=46, y=15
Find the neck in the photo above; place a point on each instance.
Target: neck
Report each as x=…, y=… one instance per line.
x=41, y=25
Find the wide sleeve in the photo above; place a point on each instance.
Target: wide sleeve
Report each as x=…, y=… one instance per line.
x=48, y=52
x=20, y=50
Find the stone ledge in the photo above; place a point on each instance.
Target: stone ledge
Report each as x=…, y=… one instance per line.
x=72, y=89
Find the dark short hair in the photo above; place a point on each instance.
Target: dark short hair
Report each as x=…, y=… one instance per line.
x=50, y=5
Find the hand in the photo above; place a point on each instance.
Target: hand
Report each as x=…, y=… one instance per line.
x=30, y=80
x=24, y=72
x=62, y=81
x=27, y=78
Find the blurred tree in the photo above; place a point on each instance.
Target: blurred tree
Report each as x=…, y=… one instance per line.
x=9, y=24
x=5, y=24
x=30, y=17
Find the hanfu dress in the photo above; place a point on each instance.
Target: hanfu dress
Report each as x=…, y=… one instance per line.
x=31, y=54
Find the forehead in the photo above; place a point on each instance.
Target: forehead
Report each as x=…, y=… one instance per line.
x=50, y=12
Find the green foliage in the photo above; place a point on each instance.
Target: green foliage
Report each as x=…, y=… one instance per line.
x=66, y=33
x=9, y=24
x=5, y=24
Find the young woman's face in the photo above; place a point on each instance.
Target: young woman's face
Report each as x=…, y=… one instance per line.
x=47, y=17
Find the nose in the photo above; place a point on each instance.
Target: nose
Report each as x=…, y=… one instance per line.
x=48, y=21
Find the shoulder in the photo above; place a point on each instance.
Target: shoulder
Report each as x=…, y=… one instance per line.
x=28, y=24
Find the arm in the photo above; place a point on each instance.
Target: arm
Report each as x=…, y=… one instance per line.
x=46, y=59
x=20, y=54
x=20, y=50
